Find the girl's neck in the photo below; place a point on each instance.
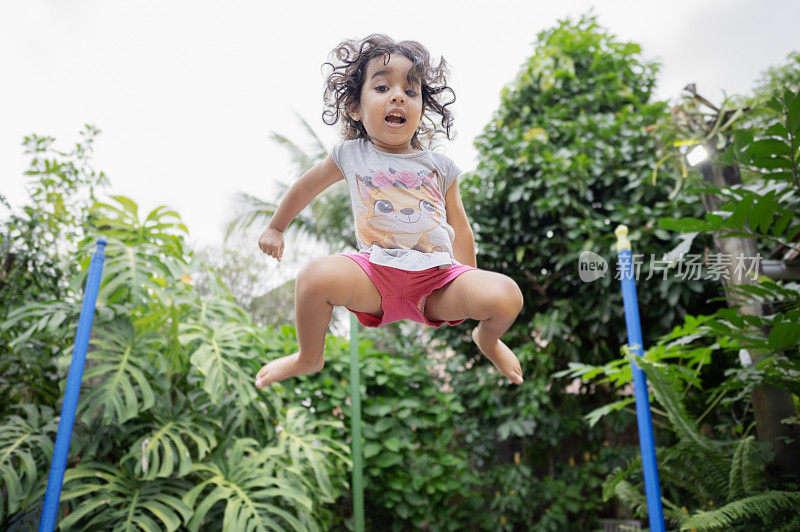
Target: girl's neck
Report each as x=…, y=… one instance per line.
x=405, y=150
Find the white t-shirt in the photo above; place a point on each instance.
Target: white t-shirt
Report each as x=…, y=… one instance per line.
x=398, y=204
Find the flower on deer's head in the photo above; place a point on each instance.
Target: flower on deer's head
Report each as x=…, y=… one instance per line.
x=382, y=179
x=403, y=178
x=409, y=179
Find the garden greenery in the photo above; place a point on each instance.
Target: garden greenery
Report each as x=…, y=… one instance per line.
x=172, y=434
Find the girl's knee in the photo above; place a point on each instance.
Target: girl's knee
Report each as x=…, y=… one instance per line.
x=507, y=300
x=315, y=276
x=329, y=278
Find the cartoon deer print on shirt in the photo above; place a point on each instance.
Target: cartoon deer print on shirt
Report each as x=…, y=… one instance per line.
x=400, y=209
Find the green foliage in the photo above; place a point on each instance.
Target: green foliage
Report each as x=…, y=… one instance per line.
x=255, y=482
x=713, y=472
x=414, y=458
x=764, y=505
x=122, y=388
x=25, y=442
x=171, y=437
x=171, y=433
x=35, y=242
x=328, y=218
x=115, y=499
x=168, y=407
x=765, y=208
x=566, y=157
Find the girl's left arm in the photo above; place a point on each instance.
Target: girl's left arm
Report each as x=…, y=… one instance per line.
x=464, y=242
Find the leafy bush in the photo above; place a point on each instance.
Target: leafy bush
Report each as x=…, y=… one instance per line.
x=727, y=483
x=171, y=432
x=566, y=157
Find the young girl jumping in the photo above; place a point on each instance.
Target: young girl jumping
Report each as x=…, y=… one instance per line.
x=416, y=256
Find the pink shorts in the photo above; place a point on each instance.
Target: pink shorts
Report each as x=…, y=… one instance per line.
x=403, y=293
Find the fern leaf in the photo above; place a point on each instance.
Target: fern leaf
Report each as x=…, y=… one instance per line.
x=631, y=497
x=713, y=462
x=745, y=478
x=763, y=505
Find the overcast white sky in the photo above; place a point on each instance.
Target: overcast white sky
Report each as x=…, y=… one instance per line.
x=186, y=93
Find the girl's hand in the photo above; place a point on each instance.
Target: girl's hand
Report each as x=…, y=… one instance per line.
x=271, y=242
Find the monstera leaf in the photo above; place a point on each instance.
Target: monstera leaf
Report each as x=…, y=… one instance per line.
x=217, y=345
x=173, y=436
x=143, y=258
x=304, y=444
x=118, y=372
x=114, y=499
x=26, y=447
x=253, y=488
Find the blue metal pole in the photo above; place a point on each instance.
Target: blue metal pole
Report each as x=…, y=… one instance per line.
x=58, y=465
x=647, y=446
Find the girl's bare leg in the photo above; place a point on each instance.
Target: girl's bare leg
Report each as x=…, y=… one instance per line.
x=323, y=283
x=493, y=299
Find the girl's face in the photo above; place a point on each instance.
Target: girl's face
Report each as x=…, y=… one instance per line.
x=386, y=92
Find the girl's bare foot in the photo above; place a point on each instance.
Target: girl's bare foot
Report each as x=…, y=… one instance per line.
x=500, y=355
x=282, y=368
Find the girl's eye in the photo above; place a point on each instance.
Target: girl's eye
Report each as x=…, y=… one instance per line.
x=411, y=92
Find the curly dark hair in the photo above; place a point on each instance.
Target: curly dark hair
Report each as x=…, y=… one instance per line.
x=343, y=85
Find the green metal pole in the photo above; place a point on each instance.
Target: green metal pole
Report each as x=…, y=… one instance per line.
x=355, y=423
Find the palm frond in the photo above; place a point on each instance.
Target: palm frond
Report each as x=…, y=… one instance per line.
x=319, y=145
x=301, y=160
x=328, y=218
x=252, y=211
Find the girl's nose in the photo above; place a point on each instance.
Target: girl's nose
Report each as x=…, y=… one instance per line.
x=396, y=98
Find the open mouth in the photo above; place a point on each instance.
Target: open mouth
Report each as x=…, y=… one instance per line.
x=395, y=119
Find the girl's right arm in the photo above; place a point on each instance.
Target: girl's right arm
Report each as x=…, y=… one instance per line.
x=318, y=178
